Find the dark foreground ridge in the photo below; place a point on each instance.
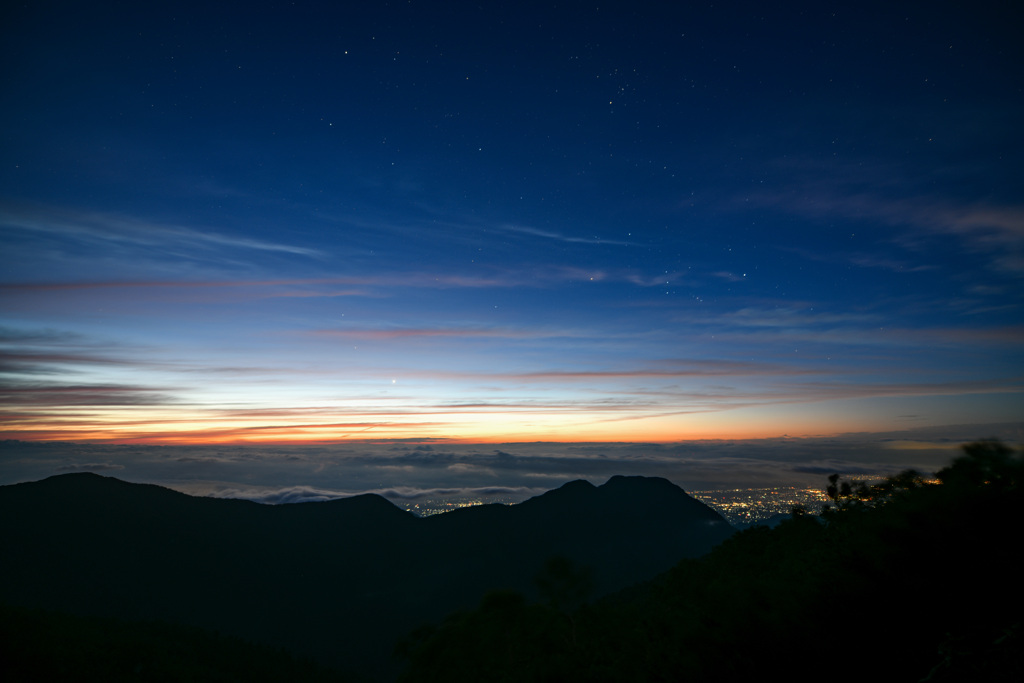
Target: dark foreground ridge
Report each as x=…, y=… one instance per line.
x=340, y=581
x=901, y=581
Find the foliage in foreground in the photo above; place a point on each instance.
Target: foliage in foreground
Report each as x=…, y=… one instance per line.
x=916, y=574
x=39, y=645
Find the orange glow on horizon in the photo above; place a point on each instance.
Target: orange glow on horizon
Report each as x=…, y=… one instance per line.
x=480, y=422
x=199, y=432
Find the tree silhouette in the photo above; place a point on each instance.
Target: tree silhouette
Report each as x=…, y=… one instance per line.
x=914, y=568
x=984, y=463
x=563, y=585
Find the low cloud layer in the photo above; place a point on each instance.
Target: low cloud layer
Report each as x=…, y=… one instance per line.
x=409, y=471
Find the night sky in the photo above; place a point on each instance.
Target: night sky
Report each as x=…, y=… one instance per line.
x=388, y=225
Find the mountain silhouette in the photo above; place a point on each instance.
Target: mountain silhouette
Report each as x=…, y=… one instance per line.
x=920, y=569
x=339, y=581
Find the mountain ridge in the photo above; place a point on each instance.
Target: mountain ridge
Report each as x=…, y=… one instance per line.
x=338, y=580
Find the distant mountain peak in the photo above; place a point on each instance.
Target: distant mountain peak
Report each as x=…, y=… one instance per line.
x=79, y=476
x=638, y=481
x=88, y=482
x=576, y=485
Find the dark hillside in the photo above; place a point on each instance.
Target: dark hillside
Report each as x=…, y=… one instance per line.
x=903, y=581
x=626, y=530
x=340, y=581
x=38, y=646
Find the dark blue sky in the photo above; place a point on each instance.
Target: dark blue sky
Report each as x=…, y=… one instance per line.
x=296, y=221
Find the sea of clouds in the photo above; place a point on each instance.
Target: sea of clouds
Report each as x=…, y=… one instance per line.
x=405, y=471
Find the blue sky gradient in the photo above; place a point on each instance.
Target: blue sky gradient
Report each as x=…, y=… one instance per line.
x=443, y=222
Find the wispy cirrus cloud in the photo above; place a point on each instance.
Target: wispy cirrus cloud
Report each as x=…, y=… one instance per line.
x=56, y=395
x=704, y=369
x=53, y=370
x=48, y=351
x=47, y=362
x=421, y=332
x=849, y=336
x=99, y=228
x=695, y=369
x=783, y=317
x=368, y=284
x=389, y=333
x=10, y=335
x=862, y=260
x=466, y=229
x=997, y=230
x=558, y=236
x=188, y=284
